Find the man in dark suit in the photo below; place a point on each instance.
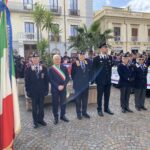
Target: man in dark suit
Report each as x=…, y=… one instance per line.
x=59, y=78
x=102, y=66
x=140, y=83
x=125, y=82
x=36, y=84
x=81, y=76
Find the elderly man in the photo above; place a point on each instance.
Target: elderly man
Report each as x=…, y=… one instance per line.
x=36, y=84
x=58, y=77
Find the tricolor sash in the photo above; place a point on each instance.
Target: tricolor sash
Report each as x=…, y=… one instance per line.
x=59, y=72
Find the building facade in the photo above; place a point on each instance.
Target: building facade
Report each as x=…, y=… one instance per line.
x=68, y=15
x=131, y=30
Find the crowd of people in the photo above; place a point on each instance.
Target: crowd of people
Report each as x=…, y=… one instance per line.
x=96, y=68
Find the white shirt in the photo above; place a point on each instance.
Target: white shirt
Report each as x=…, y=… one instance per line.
x=103, y=56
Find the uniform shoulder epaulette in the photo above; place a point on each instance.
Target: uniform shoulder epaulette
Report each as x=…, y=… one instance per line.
x=77, y=63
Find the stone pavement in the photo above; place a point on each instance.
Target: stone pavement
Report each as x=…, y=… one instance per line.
x=119, y=132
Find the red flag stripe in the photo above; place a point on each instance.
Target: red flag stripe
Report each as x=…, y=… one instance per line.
x=7, y=124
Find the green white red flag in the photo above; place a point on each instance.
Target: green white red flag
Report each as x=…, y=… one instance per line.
x=9, y=107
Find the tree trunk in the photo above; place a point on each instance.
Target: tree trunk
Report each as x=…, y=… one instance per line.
x=56, y=38
x=38, y=35
x=41, y=34
x=49, y=43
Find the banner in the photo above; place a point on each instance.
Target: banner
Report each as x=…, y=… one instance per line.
x=115, y=76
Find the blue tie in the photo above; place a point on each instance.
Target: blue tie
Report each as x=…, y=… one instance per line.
x=82, y=65
x=37, y=72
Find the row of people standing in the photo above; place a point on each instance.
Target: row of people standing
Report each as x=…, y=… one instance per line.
x=84, y=72
x=132, y=76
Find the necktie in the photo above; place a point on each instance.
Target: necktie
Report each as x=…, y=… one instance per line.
x=142, y=67
x=37, y=72
x=83, y=66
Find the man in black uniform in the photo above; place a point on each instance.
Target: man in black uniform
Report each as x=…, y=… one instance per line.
x=102, y=66
x=36, y=84
x=81, y=77
x=125, y=82
x=59, y=78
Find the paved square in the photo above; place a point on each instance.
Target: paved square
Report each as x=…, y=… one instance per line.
x=119, y=132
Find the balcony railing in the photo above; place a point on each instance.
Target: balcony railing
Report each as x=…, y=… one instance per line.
x=134, y=38
x=56, y=10
x=55, y=39
x=117, y=39
x=74, y=12
x=27, y=36
x=28, y=8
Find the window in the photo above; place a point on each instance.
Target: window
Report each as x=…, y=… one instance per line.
x=54, y=4
x=28, y=4
x=73, y=8
x=73, y=4
x=134, y=34
x=29, y=27
x=73, y=30
x=116, y=33
x=28, y=1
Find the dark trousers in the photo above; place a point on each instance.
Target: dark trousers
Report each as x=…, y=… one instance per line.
x=103, y=90
x=124, y=97
x=82, y=101
x=140, y=97
x=58, y=99
x=38, y=108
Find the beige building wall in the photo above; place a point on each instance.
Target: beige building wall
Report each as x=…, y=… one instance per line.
x=19, y=16
x=124, y=18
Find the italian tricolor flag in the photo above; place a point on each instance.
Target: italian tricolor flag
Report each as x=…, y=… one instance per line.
x=9, y=108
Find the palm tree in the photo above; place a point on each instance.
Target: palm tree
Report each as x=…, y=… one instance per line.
x=89, y=38
x=38, y=15
x=47, y=25
x=82, y=40
x=56, y=32
x=97, y=36
x=42, y=45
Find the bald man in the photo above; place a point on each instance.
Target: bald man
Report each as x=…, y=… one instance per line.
x=59, y=78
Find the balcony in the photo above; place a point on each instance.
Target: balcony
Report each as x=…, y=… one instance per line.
x=20, y=7
x=134, y=39
x=54, y=39
x=74, y=12
x=27, y=36
x=55, y=10
x=28, y=8
x=117, y=39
